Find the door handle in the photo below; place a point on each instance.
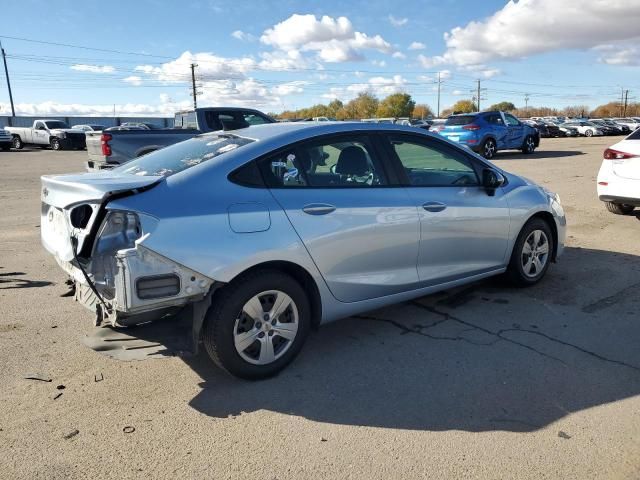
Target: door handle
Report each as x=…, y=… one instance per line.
x=434, y=206
x=318, y=208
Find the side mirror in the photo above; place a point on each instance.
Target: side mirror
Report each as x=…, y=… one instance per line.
x=491, y=180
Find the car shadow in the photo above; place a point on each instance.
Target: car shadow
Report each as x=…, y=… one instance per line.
x=538, y=154
x=477, y=358
x=12, y=280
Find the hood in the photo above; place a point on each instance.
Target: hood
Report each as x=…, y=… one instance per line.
x=63, y=191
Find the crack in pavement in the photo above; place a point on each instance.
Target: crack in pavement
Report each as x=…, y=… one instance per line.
x=500, y=334
x=611, y=300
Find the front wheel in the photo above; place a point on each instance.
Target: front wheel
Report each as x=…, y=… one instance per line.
x=531, y=254
x=488, y=149
x=589, y=133
x=55, y=144
x=257, y=324
x=529, y=145
x=16, y=143
x=620, y=208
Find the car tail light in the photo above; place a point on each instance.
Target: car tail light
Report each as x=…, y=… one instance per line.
x=611, y=154
x=471, y=126
x=104, y=141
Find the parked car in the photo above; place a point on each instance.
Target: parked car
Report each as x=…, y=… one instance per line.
x=488, y=132
x=5, y=140
x=566, y=129
x=619, y=176
x=114, y=147
x=585, y=128
x=631, y=123
x=89, y=128
x=53, y=133
x=255, y=236
x=541, y=127
x=606, y=129
x=622, y=129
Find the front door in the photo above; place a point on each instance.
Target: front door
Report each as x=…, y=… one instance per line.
x=516, y=131
x=463, y=231
x=361, y=232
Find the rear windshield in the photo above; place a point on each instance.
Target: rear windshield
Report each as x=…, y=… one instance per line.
x=460, y=120
x=183, y=155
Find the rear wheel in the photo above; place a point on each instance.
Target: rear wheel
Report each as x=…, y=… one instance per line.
x=529, y=145
x=488, y=149
x=619, y=208
x=588, y=133
x=257, y=324
x=531, y=254
x=16, y=143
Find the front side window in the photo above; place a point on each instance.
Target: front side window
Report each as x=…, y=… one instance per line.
x=253, y=119
x=344, y=162
x=51, y=124
x=433, y=165
x=511, y=120
x=495, y=119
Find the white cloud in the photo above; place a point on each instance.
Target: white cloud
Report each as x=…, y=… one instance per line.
x=332, y=39
x=379, y=63
x=417, y=46
x=490, y=72
x=399, y=55
x=430, y=62
x=127, y=109
x=93, y=68
x=627, y=55
x=457, y=92
x=380, y=86
x=289, y=88
x=244, y=36
x=133, y=80
x=397, y=22
x=513, y=33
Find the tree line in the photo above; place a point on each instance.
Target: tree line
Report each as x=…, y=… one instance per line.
x=397, y=105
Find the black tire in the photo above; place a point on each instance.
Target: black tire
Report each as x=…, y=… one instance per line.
x=55, y=144
x=6, y=148
x=516, y=270
x=488, y=148
x=588, y=133
x=529, y=145
x=16, y=143
x=228, y=304
x=619, y=208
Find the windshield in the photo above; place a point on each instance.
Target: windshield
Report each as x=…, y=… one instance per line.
x=460, y=120
x=183, y=155
x=55, y=124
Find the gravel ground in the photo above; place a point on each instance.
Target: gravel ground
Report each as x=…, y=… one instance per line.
x=480, y=382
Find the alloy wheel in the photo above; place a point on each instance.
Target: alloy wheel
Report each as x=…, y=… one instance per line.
x=489, y=149
x=266, y=327
x=535, y=253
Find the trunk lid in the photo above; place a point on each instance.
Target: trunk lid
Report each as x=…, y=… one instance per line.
x=630, y=167
x=61, y=194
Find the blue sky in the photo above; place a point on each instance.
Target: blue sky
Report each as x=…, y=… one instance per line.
x=288, y=54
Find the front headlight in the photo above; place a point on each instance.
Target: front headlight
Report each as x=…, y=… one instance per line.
x=119, y=231
x=61, y=134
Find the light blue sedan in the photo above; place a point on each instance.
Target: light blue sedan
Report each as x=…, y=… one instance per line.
x=255, y=236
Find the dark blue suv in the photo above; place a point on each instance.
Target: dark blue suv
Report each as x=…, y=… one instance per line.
x=488, y=132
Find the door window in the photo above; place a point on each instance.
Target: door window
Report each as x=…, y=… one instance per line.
x=345, y=162
x=495, y=119
x=511, y=120
x=433, y=165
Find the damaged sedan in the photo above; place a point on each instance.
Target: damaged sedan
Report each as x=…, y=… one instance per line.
x=256, y=236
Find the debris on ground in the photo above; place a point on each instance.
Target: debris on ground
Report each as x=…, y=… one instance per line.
x=61, y=387
x=564, y=435
x=57, y=396
x=97, y=378
x=36, y=376
x=71, y=434
x=129, y=429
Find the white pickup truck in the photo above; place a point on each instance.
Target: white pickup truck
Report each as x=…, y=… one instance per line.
x=52, y=133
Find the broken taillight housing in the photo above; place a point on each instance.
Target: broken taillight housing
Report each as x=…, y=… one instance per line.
x=119, y=231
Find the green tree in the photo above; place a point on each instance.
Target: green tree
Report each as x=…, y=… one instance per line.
x=334, y=107
x=464, y=106
x=396, y=105
x=503, y=107
x=363, y=106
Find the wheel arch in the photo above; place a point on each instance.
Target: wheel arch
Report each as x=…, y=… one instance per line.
x=550, y=220
x=301, y=275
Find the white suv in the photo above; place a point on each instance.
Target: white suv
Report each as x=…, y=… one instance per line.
x=619, y=176
x=587, y=129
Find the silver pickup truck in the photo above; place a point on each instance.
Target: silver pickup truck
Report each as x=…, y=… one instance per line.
x=115, y=146
x=53, y=133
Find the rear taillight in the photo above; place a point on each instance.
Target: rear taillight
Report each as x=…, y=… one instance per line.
x=611, y=154
x=104, y=141
x=471, y=126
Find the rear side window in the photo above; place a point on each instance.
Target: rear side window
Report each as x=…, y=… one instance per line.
x=460, y=120
x=635, y=135
x=432, y=164
x=494, y=119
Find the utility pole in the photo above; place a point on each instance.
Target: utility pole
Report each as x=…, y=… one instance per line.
x=194, y=91
x=526, y=104
x=439, y=82
x=621, y=100
x=6, y=73
x=626, y=102
x=478, y=96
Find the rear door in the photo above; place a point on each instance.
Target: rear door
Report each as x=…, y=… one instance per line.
x=463, y=231
x=360, y=229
